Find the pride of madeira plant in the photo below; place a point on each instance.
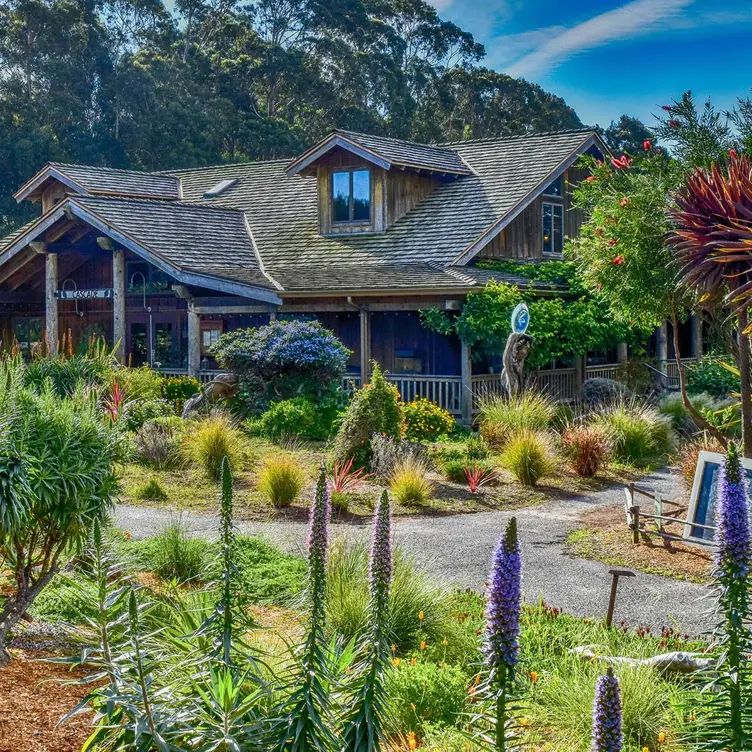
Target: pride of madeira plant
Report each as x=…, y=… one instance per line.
x=725, y=723
x=364, y=728
x=607, y=734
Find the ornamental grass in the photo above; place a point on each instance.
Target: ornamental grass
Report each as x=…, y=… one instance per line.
x=586, y=448
x=209, y=440
x=280, y=478
x=528, y=455
x=409, y=482
x=500, y=417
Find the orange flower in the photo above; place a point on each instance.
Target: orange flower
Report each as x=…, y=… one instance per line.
x=618, y=261
x=624, y=201
x=422, y=644
x=661, y=737
x=395, y=662
x=590, y=178
x=533, y=677
x=413, y=661
x=127, y=535
x=411, y=740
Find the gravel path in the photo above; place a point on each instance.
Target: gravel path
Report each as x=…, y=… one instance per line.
x=459, y=547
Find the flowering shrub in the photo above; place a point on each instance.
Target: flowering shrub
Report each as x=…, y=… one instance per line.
x=426, y=421
x=283, y=359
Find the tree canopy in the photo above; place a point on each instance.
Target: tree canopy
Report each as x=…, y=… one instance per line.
x=127, y=84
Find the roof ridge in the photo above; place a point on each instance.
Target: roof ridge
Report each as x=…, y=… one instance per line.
x=221, y=165
x=393, y=138
x=106, y=167
x=521, y=136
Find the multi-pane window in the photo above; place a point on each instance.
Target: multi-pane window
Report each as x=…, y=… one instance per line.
x=28, y=334
x=209, y=336
x=351, y=196
x=553, y=229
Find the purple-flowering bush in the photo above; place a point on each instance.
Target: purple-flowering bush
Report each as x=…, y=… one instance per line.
x=503, y=603
x=284, y=359
x=607, y=736
x=364, y=725
x=733, y=526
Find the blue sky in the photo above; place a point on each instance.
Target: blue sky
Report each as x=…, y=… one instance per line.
x=609, y=57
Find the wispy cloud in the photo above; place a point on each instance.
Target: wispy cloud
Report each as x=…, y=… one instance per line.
x=636, y=18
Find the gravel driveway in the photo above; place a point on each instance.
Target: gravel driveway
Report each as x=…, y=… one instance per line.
x=459, y=547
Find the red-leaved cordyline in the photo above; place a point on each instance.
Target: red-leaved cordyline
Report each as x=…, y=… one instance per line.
x=503, y=604
x=607, y=736
x=364, y=727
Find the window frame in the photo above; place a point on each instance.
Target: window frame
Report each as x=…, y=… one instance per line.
x=350, y=172
x=554, y=207
x=560, y=182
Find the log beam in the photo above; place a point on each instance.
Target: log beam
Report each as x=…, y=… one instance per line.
x=365, y=345
x=52, y=326
x=194, y=343
x=466, y=395
x=118, y=303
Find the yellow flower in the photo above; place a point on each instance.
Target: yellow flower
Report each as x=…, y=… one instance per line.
x=524, y=722
x=421, y=616
x=412, y=706
x=661, y=737
x=127, y=535
x=533, y=677
x=444, y=642
x=645, y=749
x=396, y=662
x=422, y=644
x=394, y=648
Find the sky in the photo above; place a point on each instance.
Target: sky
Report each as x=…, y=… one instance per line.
x=610, y=57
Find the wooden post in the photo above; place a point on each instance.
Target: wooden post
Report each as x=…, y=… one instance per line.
x=697, y=344
x=658, y=511
x=118, y=303
x=622, y=352
x=615, y=574
x=52, y=333
x=661, y=353
x=634, y=512
x=365, y=345
x=580, y=369
x=194, y=343
x=466, y=395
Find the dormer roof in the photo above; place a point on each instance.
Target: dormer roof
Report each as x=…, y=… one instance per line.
x=388, y=153
x=84, y=180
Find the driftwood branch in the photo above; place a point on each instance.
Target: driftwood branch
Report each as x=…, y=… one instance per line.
x=679, y=662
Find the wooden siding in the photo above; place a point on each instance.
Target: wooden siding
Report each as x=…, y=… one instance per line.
x=404, y=191
x=523, y=237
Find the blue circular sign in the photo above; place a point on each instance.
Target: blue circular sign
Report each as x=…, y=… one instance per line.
x=520, y=318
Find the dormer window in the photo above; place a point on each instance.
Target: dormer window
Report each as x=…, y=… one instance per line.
x=555, y=187
x=351, y=196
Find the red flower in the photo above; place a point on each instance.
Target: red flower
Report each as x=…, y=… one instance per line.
x=646, y=144
x=732, y=153
x=624, y=201
x=613, y=242
x=590, y=178
x=666, y=107
x=673, y=123
x=623, y=161
x=618, y=261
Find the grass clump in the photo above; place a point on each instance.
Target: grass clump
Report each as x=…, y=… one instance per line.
x=500, y=417
x=211, y=439
x=528, y=455
x=280, y=479
x=639, y=433
x=409, y=482
x=586, y=447
x=178, y=556
x=151, y=490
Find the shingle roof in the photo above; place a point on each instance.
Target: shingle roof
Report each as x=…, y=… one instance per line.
x=204, y=239
x=121, y=182
x=8, y=239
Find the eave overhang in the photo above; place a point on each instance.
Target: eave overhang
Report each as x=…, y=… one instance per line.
x=32, y=187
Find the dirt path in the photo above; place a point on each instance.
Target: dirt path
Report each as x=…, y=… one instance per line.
x=459, y=548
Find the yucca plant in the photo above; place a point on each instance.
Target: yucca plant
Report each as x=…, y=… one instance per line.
x=713, y=244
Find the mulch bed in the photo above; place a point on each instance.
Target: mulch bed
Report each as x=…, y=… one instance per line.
x=33, y=699
x=603, y=535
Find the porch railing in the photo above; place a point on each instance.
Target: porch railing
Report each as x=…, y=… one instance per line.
x=608, y=371
x=560, y=383
x=445, y=391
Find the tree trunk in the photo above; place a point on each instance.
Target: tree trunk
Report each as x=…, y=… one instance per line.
x=746, y=382
x=696, y=417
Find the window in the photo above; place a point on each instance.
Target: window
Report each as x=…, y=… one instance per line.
x=351, y=196
x=555, y=188
x=28, y=334
x=209, y=335
x=553, y=229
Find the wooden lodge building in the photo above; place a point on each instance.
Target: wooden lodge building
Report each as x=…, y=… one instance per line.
x=359, y=231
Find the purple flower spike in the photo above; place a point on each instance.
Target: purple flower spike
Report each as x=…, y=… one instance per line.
x=732, y=513
x=503, y=601
x=318, y=545
x=607, y=715
x=381, y=557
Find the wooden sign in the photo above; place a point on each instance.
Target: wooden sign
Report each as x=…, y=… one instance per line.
x=84, y=294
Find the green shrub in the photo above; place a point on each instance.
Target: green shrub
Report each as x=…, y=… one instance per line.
x=151, y=490
x=178, y=556
x=64, y=373
x=598, y=392
x=638, y=431
x=375, y=409
x=158, y=441
x=280, y=479
x=476, y=448
x=67, y=599
x=138, y=412
x=426, y=421
x=340, y=502
x=138, y=383
x=409, y=483
x=672, y=406
x=297, y=417
x=528, y=455
x=178, y=389
x=708, y=375
x=454, y=470
x=423, y=694
x=207, y=441
x=501, y=416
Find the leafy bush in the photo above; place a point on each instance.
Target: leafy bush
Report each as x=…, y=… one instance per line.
x=586, y=447
x=208, y=440
x=409, y=483
x=599, y=392
x=158, y=442
x=387, y=452
x=476, y=448
x=64, y=373
x=151, y=490
x=177, y=555
x=638, y=431
x=672, y=406
x=178, y=389
x=454, y=470
x=293, y=417
x=528, y=455
x=138, y=412
x=340, y=502
x=138, y=383
x=425, y=693
x=284, y=359
x=375, y=409
x=280, y=479
x=67, y=599
x=708, y=375
x=426, y=421
x=501, y=416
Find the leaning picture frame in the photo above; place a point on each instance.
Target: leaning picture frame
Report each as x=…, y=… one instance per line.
x=699, y=524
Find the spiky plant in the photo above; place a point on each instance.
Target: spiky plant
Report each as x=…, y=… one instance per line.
x=607, y=735
x=303, y=717
x=364, y=727
x=712, y=241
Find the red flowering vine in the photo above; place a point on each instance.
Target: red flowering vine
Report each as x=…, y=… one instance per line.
x=618, y=260
x=622, y=162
